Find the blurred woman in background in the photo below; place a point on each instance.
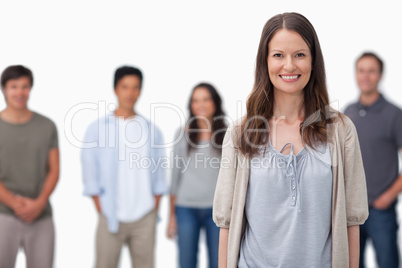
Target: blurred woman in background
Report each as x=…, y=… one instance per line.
x=195, y=171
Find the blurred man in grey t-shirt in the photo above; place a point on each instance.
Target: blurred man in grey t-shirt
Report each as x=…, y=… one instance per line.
x=379, y=127
x=29, y=171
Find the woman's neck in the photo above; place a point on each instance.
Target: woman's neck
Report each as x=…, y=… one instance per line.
x=288, y=107
x=204, y=123
x=206, y=129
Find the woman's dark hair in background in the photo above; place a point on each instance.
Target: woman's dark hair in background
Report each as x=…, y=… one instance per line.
x=126, y=70
x=15, y=72
x=218, y=123
x=260, y=103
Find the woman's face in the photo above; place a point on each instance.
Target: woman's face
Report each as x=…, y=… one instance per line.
x=202, y=104
x=289, y=62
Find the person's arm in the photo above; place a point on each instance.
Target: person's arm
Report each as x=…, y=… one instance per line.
x=9, y=199
x=52, y=175
x=355, y=190
x=90, y=168
x=176, y=179
x=176, y=169
x=354, y=246
x=172, y=226
x=157, y=201
x=95, y=198
x=33, y=207
x=391, y=194
x=223, y=248
x=224, y=192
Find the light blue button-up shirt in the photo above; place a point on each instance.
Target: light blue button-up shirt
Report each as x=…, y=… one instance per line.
x=100, y=156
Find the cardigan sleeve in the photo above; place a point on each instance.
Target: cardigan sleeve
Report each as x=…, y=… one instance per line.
x=355, y=180
x=222, y=206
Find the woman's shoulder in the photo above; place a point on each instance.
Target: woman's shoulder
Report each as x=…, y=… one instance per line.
x=235, y=126
x=342, y=121
x=341, y=127
x=233, y=131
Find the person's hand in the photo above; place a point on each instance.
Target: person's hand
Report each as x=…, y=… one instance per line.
x=384, y=200
x=17, y=203
x=172, y=228
x=30, y=210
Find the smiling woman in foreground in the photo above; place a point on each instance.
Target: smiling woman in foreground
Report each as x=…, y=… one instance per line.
x=291, y=190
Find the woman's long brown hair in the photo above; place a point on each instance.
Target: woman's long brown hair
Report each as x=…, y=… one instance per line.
x=260, y=103
x=218, y=124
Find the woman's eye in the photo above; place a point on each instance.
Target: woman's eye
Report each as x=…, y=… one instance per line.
x=300, y=55
x=277, y=55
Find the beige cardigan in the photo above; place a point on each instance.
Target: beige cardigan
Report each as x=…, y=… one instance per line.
x=349, y=197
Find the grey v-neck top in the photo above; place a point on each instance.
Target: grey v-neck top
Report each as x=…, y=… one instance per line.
x=288, y=209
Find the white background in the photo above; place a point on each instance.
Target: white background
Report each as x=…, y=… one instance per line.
x=73, y=48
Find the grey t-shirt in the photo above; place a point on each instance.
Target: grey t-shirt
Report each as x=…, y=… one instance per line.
x=194, y=175
x=288, y=210
x=379, y=127
x=24, y=150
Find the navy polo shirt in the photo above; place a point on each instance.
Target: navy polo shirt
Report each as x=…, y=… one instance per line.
x=379, y=128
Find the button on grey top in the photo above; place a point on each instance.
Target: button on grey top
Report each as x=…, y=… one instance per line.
x=288, y=209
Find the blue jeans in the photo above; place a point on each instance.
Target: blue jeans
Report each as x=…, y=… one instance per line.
x=189, y=223
x=381, y=226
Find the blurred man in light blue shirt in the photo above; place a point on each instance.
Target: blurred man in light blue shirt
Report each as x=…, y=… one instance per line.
x=124, y=173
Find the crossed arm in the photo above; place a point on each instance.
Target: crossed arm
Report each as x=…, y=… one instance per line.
x=29, y=209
